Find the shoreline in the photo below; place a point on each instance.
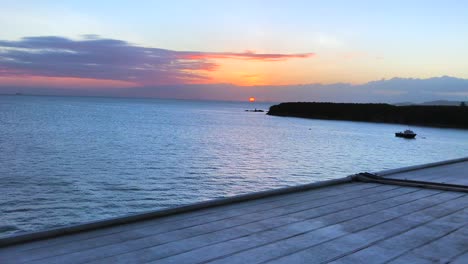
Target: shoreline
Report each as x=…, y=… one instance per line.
x=432, y=116
x=373, y=122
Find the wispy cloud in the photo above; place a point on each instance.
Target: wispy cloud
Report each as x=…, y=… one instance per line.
x=109, y=59
x=247, y=55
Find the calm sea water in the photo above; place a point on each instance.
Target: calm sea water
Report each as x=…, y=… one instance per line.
x=67, y=160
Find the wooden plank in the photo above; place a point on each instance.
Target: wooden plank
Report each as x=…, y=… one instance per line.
x=159, y=233
x=422, y=166
x=199, y=216
x=293, y=249
x=453, y=173
x=461, y=259
x=411, y=259
x=452, y=169
x=441, y=230
x=447, y=247
x=462, y=181
x=258, y=239
x=447, y=174
x=287, y=226
x=352, y=242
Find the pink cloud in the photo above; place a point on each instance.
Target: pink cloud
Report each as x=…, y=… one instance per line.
x=247, y=55
x=111, y=59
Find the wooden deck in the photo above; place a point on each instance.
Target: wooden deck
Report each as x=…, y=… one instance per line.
x=350, y=222
x=456, y=173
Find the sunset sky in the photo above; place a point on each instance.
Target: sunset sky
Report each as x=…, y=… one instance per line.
x=96, y=45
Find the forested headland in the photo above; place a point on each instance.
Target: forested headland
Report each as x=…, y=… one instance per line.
x=425, y=115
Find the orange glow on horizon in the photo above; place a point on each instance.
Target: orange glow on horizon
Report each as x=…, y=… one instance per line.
x=239, y=72
x=252, y=99
x=259, y=73
x=242, y=69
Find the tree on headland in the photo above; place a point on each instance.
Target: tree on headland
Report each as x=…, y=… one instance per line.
x=428, y=115
x=462, y=104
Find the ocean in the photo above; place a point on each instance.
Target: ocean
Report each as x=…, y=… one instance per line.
x=69, y=160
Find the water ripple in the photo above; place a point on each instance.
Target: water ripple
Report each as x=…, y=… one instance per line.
x=73, y=160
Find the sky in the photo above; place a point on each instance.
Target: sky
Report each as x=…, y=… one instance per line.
x=106, y=47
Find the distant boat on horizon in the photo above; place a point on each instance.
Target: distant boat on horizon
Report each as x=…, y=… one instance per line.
x=406, y=134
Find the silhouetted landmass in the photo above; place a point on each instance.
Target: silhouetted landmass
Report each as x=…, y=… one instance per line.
x=437, y=102
x=425, y=115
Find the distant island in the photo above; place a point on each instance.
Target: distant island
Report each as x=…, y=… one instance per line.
x=424, y=115
x=437, y=102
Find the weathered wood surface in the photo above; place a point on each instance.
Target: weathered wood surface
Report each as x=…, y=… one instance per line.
x=351, y=222
x=456, y=173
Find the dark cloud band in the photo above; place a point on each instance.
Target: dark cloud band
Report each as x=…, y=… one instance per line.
x=111, y=59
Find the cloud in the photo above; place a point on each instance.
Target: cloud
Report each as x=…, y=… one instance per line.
x=247, y=55
x=109, y=59
x=391, y=91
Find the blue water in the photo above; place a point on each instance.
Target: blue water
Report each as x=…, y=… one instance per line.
x=66, y=160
